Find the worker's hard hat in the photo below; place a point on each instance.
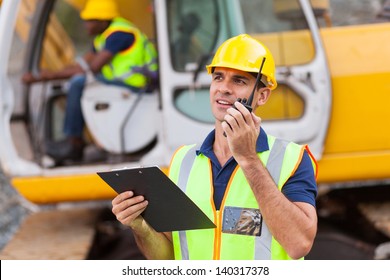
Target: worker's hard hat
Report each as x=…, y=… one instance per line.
x=246, y=54
x=100, y=10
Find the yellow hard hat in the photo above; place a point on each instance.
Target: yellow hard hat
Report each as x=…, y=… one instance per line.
x=100, y=10
x=246, y=54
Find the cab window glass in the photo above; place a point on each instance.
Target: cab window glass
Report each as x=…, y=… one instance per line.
x=282, y=27
x=68, y=16
x=355, y=12
x=65, y=37
x=192, y=27
x=194, y=104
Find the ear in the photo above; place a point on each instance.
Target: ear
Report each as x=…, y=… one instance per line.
x=264, y=94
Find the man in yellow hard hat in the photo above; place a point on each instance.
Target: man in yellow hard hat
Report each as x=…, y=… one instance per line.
x=121, y=55
x=259, y=190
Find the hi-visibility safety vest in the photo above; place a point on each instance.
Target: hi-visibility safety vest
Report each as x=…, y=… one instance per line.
x=241, y=233
x=141, y=54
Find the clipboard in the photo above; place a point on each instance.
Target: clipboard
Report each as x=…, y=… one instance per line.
x=169, y=208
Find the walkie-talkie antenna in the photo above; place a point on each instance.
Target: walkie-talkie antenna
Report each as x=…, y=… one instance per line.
x=258, y=80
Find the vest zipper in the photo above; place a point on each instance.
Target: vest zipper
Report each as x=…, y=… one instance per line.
x=217, y=237
x=218, y=234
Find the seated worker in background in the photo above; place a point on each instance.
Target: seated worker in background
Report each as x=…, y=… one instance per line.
x=259, y=190
x=121, y=55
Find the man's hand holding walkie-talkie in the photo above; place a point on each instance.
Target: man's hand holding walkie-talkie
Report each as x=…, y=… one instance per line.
x=247, y=103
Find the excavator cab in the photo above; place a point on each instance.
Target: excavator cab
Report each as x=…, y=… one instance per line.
x=118, y=122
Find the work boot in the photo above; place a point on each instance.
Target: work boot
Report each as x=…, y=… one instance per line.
x=71, y=148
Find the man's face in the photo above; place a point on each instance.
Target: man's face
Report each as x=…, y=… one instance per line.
x=95, y=27
x=226, y=86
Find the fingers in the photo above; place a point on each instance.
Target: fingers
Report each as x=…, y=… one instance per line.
x=121, y=197
x=237, y=117
x=127, y=207
x=230, y=124
x=245, y=113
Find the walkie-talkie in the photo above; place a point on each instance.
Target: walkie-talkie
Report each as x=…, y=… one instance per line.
x=248, y=102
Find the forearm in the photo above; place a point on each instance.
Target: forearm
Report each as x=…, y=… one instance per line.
x=154, y=245
x=65, y=73
x=293, y=225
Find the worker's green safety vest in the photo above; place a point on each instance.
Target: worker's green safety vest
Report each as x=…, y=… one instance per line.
x=141, y=55
x=241, y=232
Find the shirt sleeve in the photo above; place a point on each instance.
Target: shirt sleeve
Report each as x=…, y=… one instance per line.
x=119, y=41
x=302, y=186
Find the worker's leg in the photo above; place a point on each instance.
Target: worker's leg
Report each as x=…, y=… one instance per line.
x=74, y=120
x=72, y=147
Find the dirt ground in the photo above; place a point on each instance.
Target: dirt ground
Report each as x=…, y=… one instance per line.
x=28, y=232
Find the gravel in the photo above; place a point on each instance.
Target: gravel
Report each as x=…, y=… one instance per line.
x=13, y=209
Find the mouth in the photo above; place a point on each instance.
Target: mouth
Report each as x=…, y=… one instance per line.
x=224, y=103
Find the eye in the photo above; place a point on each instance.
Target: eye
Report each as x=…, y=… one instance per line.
x=217, y=77
x=239, y=81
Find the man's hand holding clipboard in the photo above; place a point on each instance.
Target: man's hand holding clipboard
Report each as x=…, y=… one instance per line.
x=169, y=209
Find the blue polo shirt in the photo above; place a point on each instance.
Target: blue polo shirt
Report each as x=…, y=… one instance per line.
x=300, y=187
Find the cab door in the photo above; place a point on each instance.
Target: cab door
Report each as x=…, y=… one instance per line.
x=298, y=109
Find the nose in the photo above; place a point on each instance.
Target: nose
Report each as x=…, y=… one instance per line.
x=223, y=87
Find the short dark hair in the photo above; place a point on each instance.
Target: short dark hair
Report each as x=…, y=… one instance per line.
x=261, y=84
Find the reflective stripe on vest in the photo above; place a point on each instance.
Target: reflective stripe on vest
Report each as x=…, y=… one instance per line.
x=185, y=170
x=265, y=247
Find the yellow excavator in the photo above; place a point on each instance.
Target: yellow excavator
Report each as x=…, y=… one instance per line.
x=333, y=73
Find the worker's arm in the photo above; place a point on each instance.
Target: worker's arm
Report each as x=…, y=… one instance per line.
x=94, y=61
x=154, y=245
x=47, y=75
x=293, y=225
